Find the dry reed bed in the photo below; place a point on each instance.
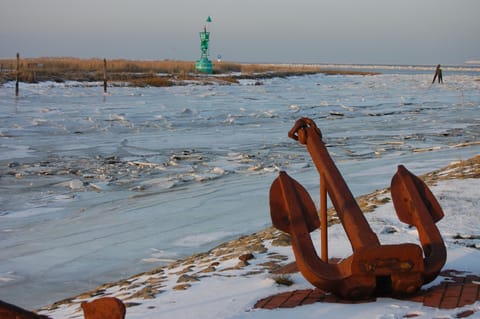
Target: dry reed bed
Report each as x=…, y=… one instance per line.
x=148, y=73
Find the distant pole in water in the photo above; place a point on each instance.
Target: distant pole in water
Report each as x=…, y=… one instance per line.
x=104, y=75
x=438, y=74
x=17, y=74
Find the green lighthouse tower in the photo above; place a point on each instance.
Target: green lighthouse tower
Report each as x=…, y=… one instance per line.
x=204, y=65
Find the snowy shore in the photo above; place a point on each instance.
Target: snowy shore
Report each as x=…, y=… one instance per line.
x=226, y=281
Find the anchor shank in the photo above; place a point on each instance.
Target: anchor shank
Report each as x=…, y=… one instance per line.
x=356, y=226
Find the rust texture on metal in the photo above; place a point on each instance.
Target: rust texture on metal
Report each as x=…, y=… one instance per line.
x=372, y=267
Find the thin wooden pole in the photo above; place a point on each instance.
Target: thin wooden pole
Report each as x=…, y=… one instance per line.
x=323, y=218
x=17, y=74
x=104, y=75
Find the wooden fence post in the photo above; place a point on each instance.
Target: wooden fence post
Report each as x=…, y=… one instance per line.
x=17, y=74
x=104, y=75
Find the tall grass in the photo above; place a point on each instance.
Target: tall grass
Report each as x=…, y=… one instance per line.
x=137, y=71
x=66, y=64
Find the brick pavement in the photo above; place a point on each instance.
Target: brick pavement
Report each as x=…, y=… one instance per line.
x=457, y=290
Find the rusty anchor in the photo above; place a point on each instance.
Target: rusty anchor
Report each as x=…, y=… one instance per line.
x=372, y=268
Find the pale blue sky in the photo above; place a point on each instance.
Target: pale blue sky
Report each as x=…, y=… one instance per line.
x=302, y=31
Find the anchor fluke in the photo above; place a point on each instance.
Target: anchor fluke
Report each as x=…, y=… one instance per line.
x=403, y=203
x=278, y=210
x=416, y=205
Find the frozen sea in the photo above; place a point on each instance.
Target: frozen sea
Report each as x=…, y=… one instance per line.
x=97, y=187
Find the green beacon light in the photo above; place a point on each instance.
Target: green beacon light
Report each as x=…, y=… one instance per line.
x=204, y=65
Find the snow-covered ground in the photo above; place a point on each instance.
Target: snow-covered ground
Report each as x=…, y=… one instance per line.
x=222, y=290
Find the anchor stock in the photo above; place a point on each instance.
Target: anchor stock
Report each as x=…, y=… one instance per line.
x=397, y=269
